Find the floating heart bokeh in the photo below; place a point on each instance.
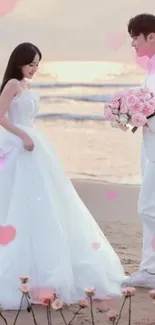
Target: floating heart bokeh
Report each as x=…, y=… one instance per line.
x=7, y=234
x=6, y=6
x=115, y=40
x=96, y=245
x=111, y=195
x=3, y=157
x=39, y=294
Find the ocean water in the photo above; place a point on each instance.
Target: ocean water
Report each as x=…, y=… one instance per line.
x=57, y=98
x=72, y=116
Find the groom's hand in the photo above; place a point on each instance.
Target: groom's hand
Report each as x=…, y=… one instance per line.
x=123, y=127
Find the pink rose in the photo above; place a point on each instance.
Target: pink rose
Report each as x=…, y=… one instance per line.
x=123, y=106
x=24, y=288
x=137, y=108
x=146, y=97
x=90, y=291
x=83, y=303
x=152, y=294
x=107, y=113
x=148, y=109
x=152, y=102
x=129, y=92
x=138, y=119
x=124, y=109
x=115, y=117
x=57, y=304
x=115, y=111
x=144, y=94
x=46, y=300
x=129, y=291
x=144, y=91
x=24, y=279
x=131, y=101
x=115, y=104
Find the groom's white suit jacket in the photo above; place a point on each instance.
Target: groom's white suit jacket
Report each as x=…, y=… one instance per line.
x=149, y=131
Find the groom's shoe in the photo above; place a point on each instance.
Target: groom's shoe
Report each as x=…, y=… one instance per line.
x=140, y=279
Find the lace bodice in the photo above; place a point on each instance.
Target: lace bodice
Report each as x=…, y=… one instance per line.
x=24, y=107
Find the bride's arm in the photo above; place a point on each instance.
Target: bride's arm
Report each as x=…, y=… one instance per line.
x=9, y=91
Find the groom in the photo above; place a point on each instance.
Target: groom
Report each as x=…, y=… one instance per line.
x=142, y=31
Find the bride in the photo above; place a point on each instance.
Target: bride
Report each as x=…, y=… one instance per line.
x=55, y=232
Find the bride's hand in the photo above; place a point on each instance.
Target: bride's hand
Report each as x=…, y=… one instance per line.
x=28, y=143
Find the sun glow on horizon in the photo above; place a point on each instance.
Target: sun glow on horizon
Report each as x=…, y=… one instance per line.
x=81, y=71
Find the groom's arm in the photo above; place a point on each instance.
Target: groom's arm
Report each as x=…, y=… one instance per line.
x=151, y=120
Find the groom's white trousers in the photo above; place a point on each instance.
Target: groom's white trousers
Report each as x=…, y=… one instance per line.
x=146, y=210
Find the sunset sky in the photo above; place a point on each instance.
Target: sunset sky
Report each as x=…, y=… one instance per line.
x=69, y=30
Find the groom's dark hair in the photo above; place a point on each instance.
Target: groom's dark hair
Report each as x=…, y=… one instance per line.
x=141, y=24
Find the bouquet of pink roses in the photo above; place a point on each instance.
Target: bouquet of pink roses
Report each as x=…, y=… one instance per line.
x=130, y=107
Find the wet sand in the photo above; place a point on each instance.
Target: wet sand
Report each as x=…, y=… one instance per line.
x=94, y=150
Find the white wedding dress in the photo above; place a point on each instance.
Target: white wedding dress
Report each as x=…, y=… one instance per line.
x=55, y=233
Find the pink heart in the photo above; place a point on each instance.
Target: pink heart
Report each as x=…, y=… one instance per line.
x=111, y=195
x=3, y=157
x=96, y=245
x=2, y=161
x=153, y=243
x=115, y=40
x=7, y=234
x=7, y=6
x=39, y=294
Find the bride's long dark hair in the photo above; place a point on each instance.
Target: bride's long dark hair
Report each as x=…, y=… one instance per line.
x=22, y=55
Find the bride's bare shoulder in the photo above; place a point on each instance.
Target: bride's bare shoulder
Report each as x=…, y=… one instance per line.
x=12, y=83
x=12, y=86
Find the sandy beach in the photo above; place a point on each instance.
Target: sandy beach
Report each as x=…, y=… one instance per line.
x=94, y=150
